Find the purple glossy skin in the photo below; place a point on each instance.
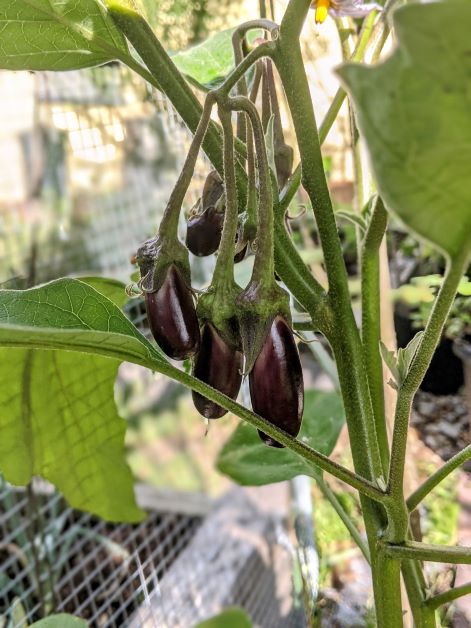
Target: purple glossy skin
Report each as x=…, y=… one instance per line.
x=238, y=257
x=218, y=365
x=276, y=382
x=203, y=233
x=172, y=316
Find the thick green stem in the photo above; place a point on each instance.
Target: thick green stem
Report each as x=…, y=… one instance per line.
x=169, y=222
x=264, y=50
x=224, y=269
x=371, y=321
x=344, y=517
x=237, y=39
x=169, y=79
x=387, y=584
x=333, y=111
x=295, y=274
x=418, y=368
x=304, y=451
x=424, y=489
x=416, y=591
x=448, y=596
x=264, y=267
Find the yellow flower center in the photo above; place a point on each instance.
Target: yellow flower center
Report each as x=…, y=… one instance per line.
x=322, y=7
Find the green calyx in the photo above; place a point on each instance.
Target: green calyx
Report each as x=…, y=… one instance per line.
x=155, y=256
x=257, y=306
x=218, y=306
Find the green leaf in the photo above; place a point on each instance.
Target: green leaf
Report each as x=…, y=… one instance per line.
x=57, y=35
x=414, y=112
x=390, y=360
x=230, y=618
x=58, y=418
x=208, y=63
x=399, y=365
x=112, y=289
x=248, y=461
x=407, y=354
x=68, y=314
x=62, y=620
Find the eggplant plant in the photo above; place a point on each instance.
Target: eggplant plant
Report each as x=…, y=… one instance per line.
x=61, y=343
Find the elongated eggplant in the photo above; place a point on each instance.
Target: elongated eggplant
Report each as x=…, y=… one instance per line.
x=172, y=316
x=203, y=233
x=276, y=381
x=219, y=365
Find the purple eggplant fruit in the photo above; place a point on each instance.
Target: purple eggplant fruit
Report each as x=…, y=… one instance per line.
x=240, y=255
x=219, y=365
x=203, y=233
x=276, y=381
x=172, y=316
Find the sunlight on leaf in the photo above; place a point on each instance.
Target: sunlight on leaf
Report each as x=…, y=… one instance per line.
x=414, y=112
x=57, y=35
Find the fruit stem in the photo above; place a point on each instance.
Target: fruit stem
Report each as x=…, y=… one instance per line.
x=169, y=222
x=224, y=269
x=264, y=266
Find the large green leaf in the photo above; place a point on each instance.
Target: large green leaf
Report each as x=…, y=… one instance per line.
x=58, y=420
x=414, y=112
x=57, y=35
x=112, y=289
x=57, y=413
x=208, y=63
x=68, y=314
x=248, y=461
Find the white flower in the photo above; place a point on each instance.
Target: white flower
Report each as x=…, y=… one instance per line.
x=340, y=8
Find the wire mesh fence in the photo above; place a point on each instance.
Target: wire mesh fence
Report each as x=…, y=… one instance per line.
x=172, y=570
x=87, y=161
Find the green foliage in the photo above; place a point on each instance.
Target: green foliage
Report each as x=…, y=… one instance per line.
x=245, y=459
x=230, y=618
x=67, y=313
x=420, y=293
x=413, y=111
x=399, y=364
x=58, y=416
x=207, y=64
x=57, y=35
x=112, y=289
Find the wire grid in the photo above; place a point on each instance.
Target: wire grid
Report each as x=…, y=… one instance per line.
x=53, y=558
x=162, y=573
x=97, y=195
x=96, y=156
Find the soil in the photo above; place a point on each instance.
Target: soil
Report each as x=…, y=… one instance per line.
x=443, y=423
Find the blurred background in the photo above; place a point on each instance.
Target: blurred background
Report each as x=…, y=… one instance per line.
x=87, y=162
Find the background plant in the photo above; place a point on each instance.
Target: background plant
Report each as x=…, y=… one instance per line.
x=412, y=111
